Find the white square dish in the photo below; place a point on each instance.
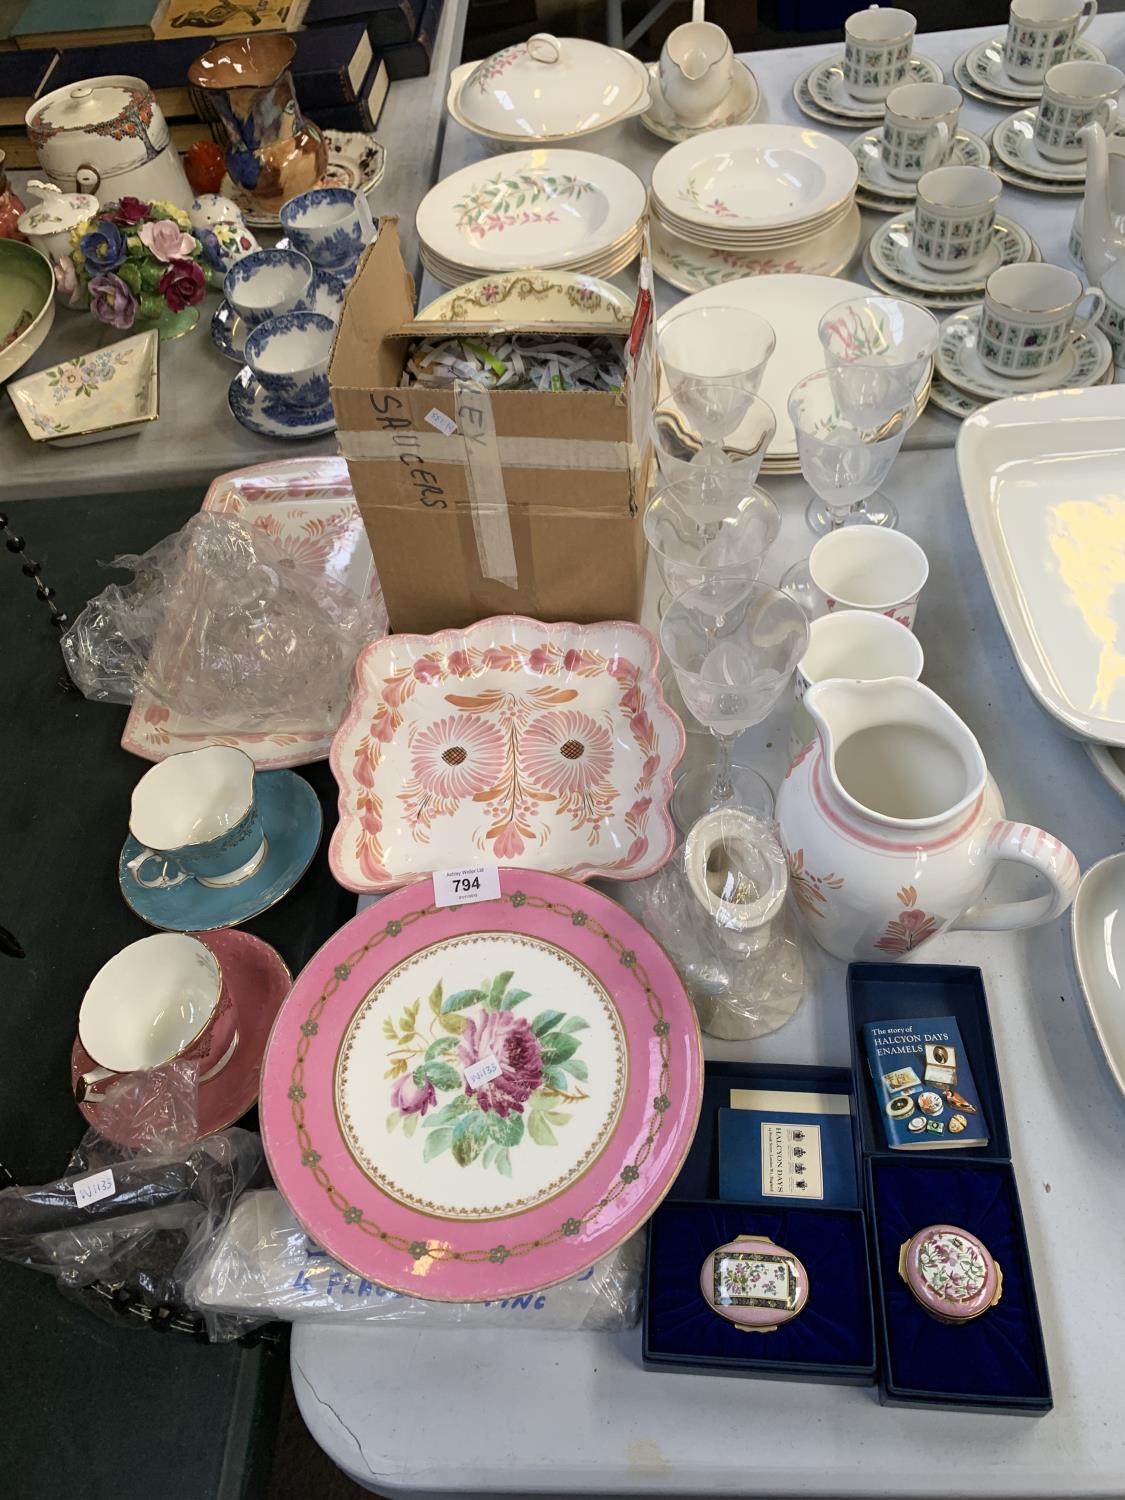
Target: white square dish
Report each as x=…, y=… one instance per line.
x=1043, y=477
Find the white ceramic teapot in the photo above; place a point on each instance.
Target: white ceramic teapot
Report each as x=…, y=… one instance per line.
x=695, y=68
x=1099, y=230
x=892, y=826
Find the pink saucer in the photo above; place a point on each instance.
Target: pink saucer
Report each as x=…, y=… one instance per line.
x=258, y=981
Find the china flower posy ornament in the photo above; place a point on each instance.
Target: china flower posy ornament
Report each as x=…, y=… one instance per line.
x=892, y=826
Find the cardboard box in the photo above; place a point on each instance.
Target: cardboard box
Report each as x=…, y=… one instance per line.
x=478, y=503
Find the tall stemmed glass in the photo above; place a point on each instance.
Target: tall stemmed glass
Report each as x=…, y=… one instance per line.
x=692, y=552
x=877, y=334
x=714, y=359
x=850, y=425
x=719, y=488
x=733, y=649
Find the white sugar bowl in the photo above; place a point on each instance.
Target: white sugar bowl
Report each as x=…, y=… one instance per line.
x=47, y=224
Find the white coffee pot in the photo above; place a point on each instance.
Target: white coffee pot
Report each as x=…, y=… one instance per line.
x=1098, y=236
x=695, y=68
x=892, y=826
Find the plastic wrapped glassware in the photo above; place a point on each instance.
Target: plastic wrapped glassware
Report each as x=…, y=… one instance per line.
x=224, y=625
x=263, y=1265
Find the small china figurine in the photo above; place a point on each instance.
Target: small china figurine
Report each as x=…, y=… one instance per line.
x=754, y=1284
x=11, y=207
x=951, y=1273
x=221, y=229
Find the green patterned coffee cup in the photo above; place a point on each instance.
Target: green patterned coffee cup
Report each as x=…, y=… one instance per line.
x=1028, y=316
x=1076, y=94
x=954, y=215
x=877, y=47
x=1042, y=33
x=918, y=128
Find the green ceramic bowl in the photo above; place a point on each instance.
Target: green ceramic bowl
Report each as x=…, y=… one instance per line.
x=27, y=303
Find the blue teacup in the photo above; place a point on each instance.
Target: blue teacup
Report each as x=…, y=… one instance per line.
x=290, y=355
x=331, y=225
x=266, y=283
x=198, y=817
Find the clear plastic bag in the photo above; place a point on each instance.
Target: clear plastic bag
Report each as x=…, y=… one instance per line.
x=222, y=625
x=718, y=907
x=263, y=1265
x=131, y=1253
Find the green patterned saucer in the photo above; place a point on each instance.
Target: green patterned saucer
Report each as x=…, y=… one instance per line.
x=821, y=93
x=968, y=150
x=892, y=254
x=982, y=67
x=958, y=403
x=1013, y=141
x=1084, y=361
x=936, y=302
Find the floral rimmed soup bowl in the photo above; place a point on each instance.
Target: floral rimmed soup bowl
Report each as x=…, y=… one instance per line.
x=508, y=742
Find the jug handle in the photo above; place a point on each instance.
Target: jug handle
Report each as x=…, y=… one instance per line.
x=1024, y=844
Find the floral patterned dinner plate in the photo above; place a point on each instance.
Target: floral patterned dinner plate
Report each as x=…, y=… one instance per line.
x=509, y=742
x=307, y=507
x=471, y=1102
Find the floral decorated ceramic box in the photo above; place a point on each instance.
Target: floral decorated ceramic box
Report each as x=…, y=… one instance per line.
x=477, y=503
x=934, y=1355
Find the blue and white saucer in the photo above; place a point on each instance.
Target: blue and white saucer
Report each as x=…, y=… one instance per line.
x=345, y=273
x=229, y=330
x=258, y=411
x=292, y=821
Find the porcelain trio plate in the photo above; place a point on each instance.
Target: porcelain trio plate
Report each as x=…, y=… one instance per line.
x=980, y=71
x=257, y=980
x=1042, y=477
x=509, y=741
x=108, y=393
x=355, y=160
x=968, y=150
x=1085, y=360
x=472, y=1102
x=742, y=103
x=892, y=254
x=822, y=94
x=540, y=209
x=692, y=268
x=306, y=506
x=292, y=823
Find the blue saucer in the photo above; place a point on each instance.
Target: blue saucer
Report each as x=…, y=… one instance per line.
x=258, y=411
x=228, y=331
x=292, y=821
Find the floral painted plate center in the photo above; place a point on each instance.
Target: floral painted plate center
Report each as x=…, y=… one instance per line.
x=497, y=1099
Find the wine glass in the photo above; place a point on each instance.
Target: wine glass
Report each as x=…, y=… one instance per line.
x=850, y=425
x=875, y=334
x=733, y=648
x=714, y=359
x=692, y=551
x=718, y=487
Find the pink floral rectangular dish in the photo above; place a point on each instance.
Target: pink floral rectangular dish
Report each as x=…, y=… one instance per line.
x=306, y=505
x=509, y=742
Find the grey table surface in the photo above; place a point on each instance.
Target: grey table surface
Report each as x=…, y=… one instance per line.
x=196, y=437
x=403, y=1411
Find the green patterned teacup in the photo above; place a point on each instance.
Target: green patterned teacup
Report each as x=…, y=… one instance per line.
x=954, y=215
x=1029, y=314
x=1075, y=94
x=918, y=128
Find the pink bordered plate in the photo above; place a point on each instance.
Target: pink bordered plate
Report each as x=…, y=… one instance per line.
x=472, y=1102
x=509, y=742
x=307, y=506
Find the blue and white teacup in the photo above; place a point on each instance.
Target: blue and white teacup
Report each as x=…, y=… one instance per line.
x=267, y=283
x=331, y=225
x=953, y=216
x=1028, y=316
x=1076, y=94
x=197, y=815
x=290, y=355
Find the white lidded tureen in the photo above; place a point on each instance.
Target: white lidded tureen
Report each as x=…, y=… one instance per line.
x=108, y=136
x=47, y=224
x=547, y=90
